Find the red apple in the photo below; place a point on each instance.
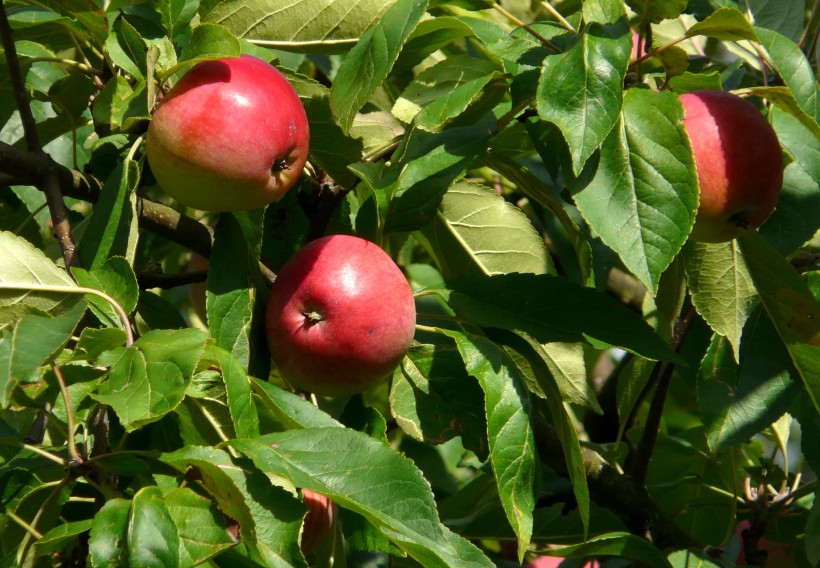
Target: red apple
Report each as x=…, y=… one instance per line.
x=738, y=161
x=555, y=562
x=340, y=317
x=318, y=520
x=231, y=135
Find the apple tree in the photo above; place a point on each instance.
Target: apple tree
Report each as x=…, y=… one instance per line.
x=586, y=378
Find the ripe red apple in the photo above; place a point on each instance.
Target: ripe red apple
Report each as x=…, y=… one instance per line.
x=340, y=317
x=231, y=135
x=555, y=562
x=738, y=161
x=318, y=520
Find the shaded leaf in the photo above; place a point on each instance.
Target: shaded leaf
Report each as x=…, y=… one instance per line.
x=721, y=288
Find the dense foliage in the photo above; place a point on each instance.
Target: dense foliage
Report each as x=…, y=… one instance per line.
x=584, y=381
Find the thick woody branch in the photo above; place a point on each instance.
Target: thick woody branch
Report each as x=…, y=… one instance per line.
x=49, y=182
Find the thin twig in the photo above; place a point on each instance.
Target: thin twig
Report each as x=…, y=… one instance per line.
x=557, y=15
x=53, y=457
x=69, y=410
x=511, y=17
x=662, y=378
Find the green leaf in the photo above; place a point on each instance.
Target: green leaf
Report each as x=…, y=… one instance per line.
x=476, y=231
x=434, y=399
x=656, y=10
x=783, y=99
x=721, y=288
x=581, y=90
x=459, y=87
x=428, y=167
x=429, y=36
x=623, y=545
x=177, y=14
x=157, y=312
x=512, y=442
x=291, y=410
x=201, y=528
x=602, y=11
x=152, y=535
x=642, y=197
x=208, y=41
x=565, y=362
x=238, y=390
x=794, y=69
x=785, y=17
x=561, y=419
x=738, y=400
x=93, y=342
x=25, y=268
x=793, y=222
x=115, y=278
x=106, y=544
x=553, y=309
x=34, y=342
x=59, y=538
x=112, y=230
x=314, y=26
x=112, y=102
x=127, y=49
x=269, y=516
x=813, y=533
x=531, y=186
x=393, y=496
x=370, y=61
x=148, y=379
x=724, y=23
x=232, y=270
x=790, y=305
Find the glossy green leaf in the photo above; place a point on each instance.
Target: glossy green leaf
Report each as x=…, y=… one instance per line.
x=152, y=535
x=429, y=166
x=510, y=434
x=127, y=49
x=177, y=14
x=202, y=530
x=232, y=270
x=724, y=23
x=237, y=389
x=269, y=517
x=26, y=268
x=553, y=309
x=475, y=231
x=602, y=11
x=561, y=420
x=737, y=400
x=112, y=230
x=369, y=62
x=116, y=279
x=458, y=87
x=148, y=379
x=642, y=196
x=291, y=410
x=434, y=399
x=316, y=26
x=107, y=542
x=790, y=305
x=794, y=69
x=794, y=220
x=581, y=91
x=34, y=341
x=93, y=342
x=208, y=41
x=61, y=536
x=393, y=496
x=721, y=288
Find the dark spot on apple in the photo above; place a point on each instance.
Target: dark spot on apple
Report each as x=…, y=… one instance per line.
x=279, y=165
x=369, y=332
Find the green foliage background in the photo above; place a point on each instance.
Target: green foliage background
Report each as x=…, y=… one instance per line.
x=584, y=382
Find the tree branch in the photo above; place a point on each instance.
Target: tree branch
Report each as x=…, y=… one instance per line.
x=49, y=183
x=615, y=491
x=638, y=465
